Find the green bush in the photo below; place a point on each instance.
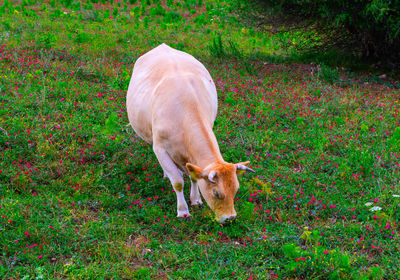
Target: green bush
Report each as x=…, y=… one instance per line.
x=172, y=17
x=157, y=11
x=327, y=73
x=115, y=12
x=374, y=24
x=394, y=141
x=81, y=37
x=66, y=3
x=217, y=48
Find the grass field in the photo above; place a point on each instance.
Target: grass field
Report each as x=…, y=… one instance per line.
x=82, y=197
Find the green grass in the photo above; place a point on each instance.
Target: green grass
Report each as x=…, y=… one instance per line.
x=82, y=197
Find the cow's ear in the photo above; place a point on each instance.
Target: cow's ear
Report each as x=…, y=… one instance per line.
x=195, y=172
x=242, y=167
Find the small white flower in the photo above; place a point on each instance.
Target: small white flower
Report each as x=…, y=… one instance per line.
x=396, y=195
x=368, y=204
x=375, y=208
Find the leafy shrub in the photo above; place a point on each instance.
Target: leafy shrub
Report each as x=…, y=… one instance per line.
x=172, y=17
x=81, y=37
x=234, y=49
x=327, y=73
x=200, y=19
x=56, y=14
x=76, y=6
x=146, y=21
x=106, y=13
x=46, y=40
x=217, y=48
x=331, y=264
x=394, y=141
x=157, y=11
x=6, y=25
x=66, y=3
x=190, y=4
x=374, y=24
x=247, y=212
x=115, y=12
x=375, y=272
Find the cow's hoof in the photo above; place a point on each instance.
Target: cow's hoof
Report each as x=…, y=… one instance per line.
x=196, y=202
x=183, y=214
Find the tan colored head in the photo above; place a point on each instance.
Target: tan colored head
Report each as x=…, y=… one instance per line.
x=218, y=185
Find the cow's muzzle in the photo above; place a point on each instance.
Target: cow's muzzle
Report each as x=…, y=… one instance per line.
x=225, y=219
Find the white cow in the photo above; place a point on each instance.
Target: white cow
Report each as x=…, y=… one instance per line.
x=172, y=104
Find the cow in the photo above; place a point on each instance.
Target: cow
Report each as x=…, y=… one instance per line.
x=172, y=104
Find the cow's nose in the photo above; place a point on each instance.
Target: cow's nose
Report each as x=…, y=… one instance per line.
x=225, y=219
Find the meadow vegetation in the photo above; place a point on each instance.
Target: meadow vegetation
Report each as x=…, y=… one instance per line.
x=82, y=197
x=373, y=25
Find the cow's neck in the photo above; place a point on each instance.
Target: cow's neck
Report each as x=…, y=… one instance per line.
x=203, y=148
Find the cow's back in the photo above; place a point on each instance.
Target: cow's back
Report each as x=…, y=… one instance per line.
x=164, y=79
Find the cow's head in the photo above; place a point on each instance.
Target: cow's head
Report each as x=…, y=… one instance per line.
x=218, y=185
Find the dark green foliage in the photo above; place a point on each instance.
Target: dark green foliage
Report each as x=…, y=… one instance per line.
x=172, y=17
x=394, y=141
x=136, y=11
x=374, y=24
x=217, y=48
x=190, y=4
x=157, y=11
x=375, y=272
x=106, y=13
x=46, y=40
x=6, y=3
x=115, y=12
x=200, y=19
x=6, y=25
x=66, y=3
x=143, y=8
x=76, y=6
x=327, y=73
x=24, y=3
x=81, y=37
x=146, y=21
x=56, y=13
x=11, y=9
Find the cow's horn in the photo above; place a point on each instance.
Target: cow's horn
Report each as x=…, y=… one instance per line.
x=211, y=176
x=245, y=168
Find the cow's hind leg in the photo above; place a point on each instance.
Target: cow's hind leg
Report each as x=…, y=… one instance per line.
x=175, y=176
x=195, y=197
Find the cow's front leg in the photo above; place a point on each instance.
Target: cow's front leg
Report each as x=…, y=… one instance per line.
x=175, y=178
x=195, y=197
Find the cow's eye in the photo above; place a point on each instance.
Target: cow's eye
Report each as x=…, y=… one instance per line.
x=217, y=194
